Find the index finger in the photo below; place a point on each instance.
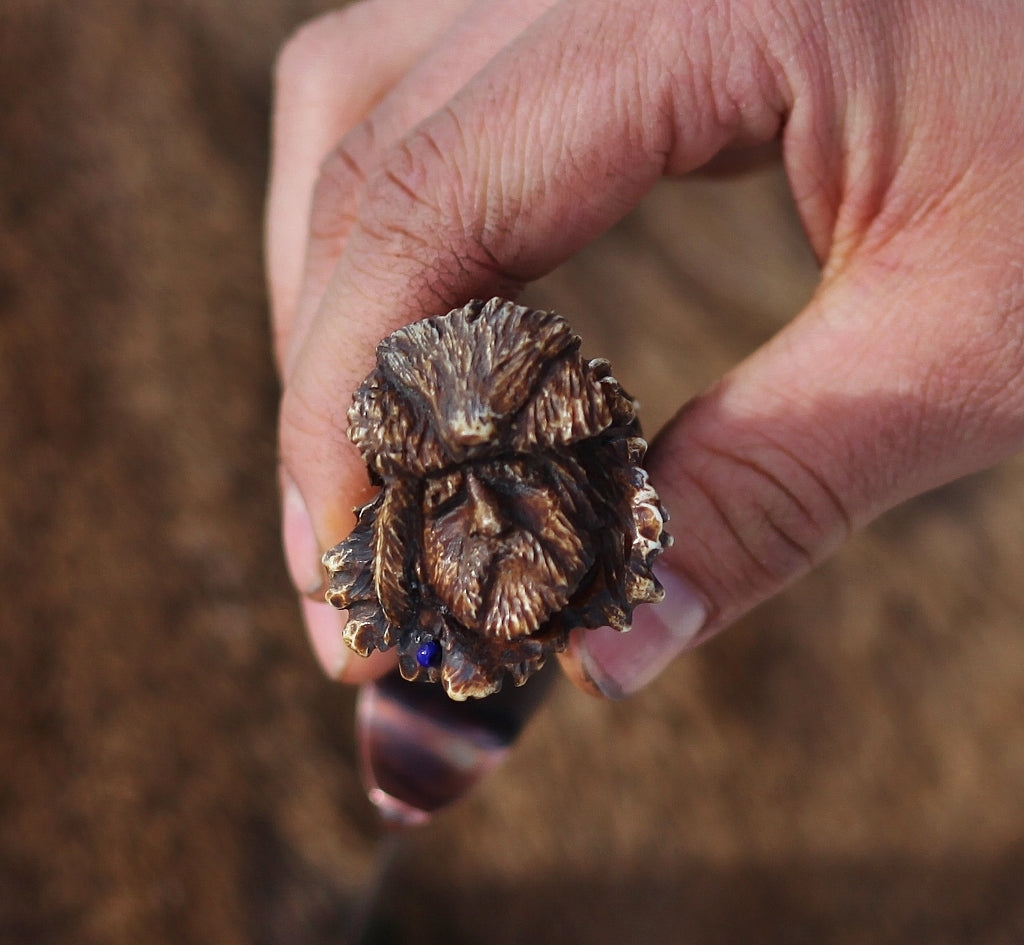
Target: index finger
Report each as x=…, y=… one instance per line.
x=328, y=77
x=543, y=150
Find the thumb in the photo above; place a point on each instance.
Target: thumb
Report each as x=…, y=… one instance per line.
x=903, y=374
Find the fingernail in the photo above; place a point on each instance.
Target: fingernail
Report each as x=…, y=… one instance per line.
x=324, y=624
x=419, y=751
x=619, y=664
x=301, y=551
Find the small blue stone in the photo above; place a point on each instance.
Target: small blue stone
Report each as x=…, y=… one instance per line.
x=429, y=654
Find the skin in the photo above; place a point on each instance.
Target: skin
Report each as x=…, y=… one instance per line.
x=428, y=152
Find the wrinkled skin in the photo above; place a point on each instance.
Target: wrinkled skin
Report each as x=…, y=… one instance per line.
x=501, y=551
x=430, y=152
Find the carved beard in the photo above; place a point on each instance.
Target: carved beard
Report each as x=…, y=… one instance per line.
x=501, y=563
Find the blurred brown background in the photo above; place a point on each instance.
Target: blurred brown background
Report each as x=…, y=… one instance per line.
x=846, y=766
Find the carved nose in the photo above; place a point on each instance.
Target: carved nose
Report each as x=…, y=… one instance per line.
x=470, y=429
x=487, y=518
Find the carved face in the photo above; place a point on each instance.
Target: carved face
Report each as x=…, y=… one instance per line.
x=501, y=548
x=513, y=506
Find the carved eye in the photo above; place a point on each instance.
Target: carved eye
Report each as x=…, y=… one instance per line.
x=519, y=484
x=441, y=493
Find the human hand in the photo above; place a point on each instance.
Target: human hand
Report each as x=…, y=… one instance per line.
x=428, y=153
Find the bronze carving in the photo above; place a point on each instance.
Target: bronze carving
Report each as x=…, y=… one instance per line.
x=513, y=506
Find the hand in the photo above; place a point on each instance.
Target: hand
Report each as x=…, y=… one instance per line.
x=428, y=153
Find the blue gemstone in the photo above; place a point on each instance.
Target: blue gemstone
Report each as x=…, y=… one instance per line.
x=429, y=654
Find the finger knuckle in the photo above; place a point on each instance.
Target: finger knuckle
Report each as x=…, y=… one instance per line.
x=339, y=180
x=304, y=53
x=413, y=176
x=316, y=44
x=424, y=210
x=409, y=199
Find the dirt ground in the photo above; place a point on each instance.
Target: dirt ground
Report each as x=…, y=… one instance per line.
x=845, y=766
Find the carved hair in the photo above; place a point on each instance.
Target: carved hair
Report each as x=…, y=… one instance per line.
x=502, y=389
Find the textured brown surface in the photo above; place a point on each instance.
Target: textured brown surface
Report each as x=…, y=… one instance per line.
x=513, y=506
x=847, y=766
